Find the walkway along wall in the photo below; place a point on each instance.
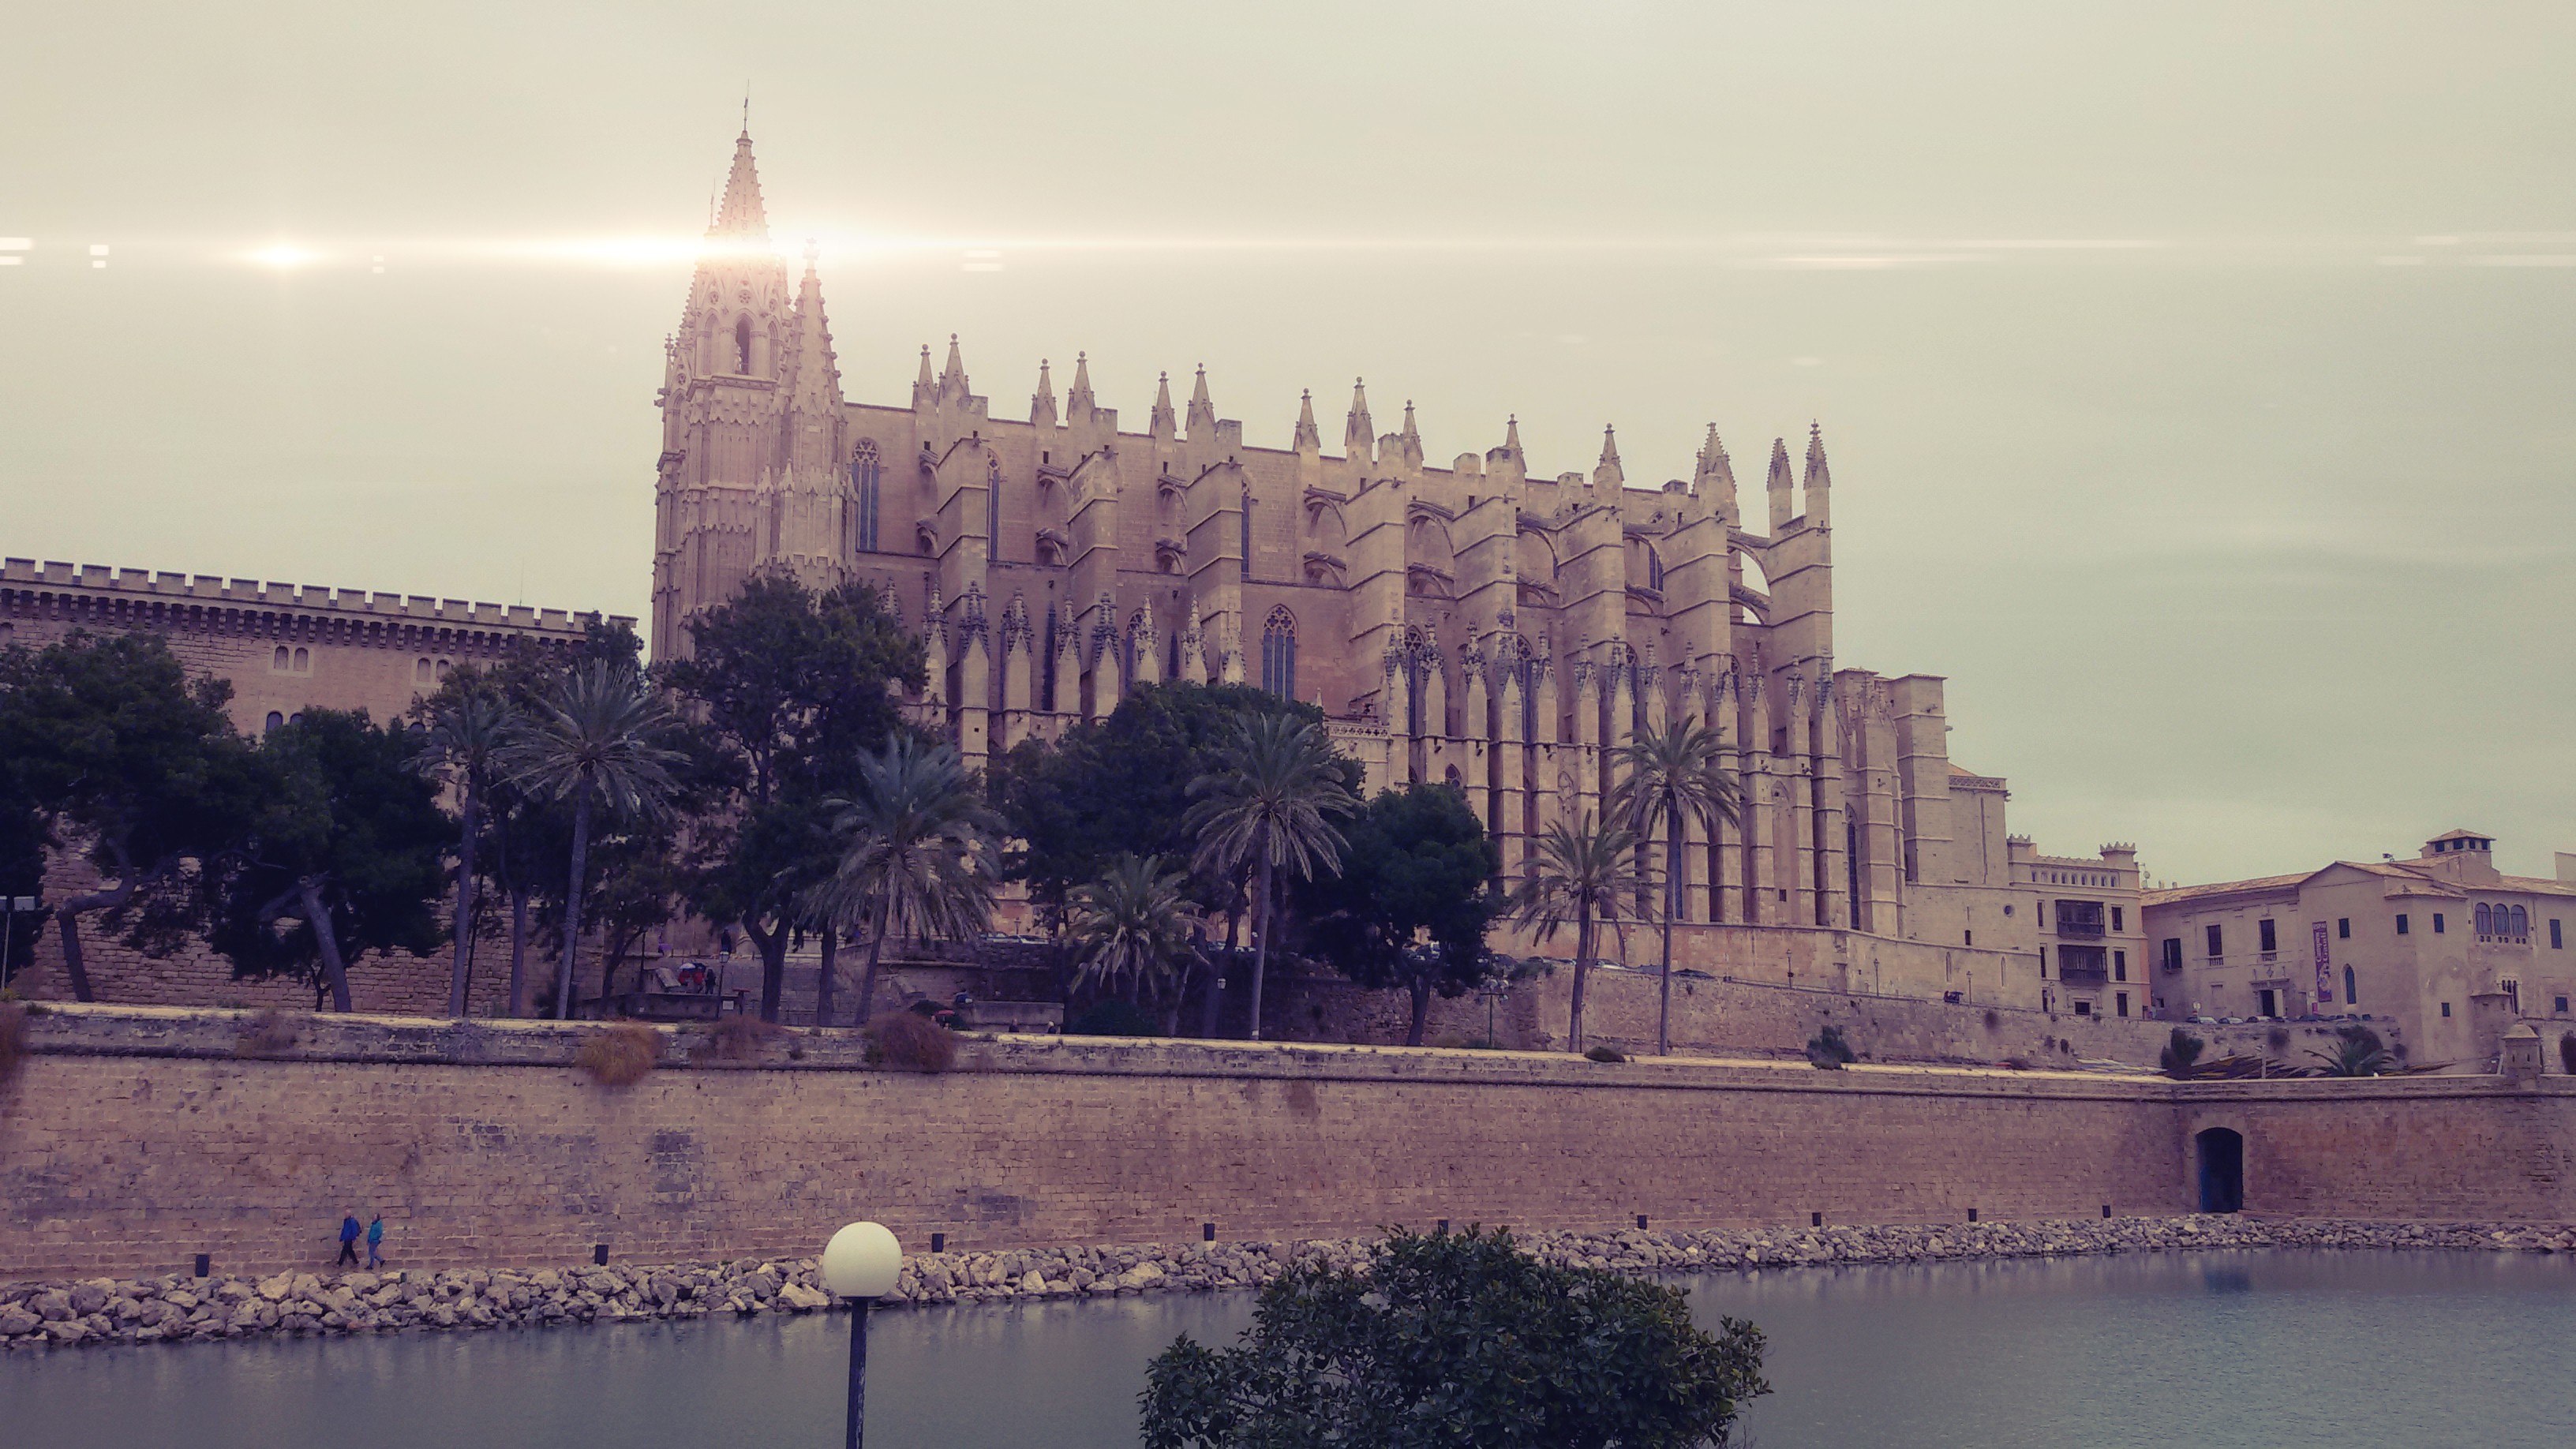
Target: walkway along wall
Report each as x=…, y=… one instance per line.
x=133, y=1139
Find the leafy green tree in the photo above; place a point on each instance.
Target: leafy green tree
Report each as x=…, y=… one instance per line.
x=2182, y=1051
x=1267, y=804
x=1670, y=778
x=596, y=742
x=797, y=686
x=1133, y=928
x=1418, y=866
x=1458, y=1341
x=108, y=747
x=1584, y=873
x=465, y=728
x=917, y=854
x=349, y=847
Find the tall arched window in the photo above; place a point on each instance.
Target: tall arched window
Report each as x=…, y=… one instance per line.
x=303, y=661
x=992, y=508
x=864, y=475
x=2521, y=922
x=2486, y=922
x=1247, y=535
x=742, y=346
x=1654, y=569
x=1279, y=654
x=274, y=720
x=2348, y=993
x=278, y=661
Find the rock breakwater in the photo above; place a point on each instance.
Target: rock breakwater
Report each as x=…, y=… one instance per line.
x=175, y=1309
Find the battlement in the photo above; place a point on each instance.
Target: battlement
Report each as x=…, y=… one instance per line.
x=214, y=589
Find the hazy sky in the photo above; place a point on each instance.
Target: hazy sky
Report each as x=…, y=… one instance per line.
x=2197, y=376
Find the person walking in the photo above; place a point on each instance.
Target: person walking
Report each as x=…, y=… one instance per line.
x=375, y=1242
x=348, y=1241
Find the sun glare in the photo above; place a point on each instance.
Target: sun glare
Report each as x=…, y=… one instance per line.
x=284, y=256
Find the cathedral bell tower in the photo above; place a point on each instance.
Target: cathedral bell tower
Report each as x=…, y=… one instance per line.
x=751, y=474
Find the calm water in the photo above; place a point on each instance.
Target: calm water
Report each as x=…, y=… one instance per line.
x=2357, y=1351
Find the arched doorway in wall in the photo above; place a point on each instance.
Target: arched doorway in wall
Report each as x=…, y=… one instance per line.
x=2221, y=1154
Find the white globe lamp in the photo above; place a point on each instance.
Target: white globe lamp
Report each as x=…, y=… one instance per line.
x=861, y=1264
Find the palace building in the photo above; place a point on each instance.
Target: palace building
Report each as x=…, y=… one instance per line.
x=1479, y=621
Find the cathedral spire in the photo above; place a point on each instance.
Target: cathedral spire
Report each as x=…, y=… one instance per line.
x=1358, y=433
x=1412, y=436
x=952, y=378
x=1715, y=480
x=925, y=386
x=1820, y=479
x=1042, y=402
x=1202, y=411
x=740, y=216
x=1609, y=474
x=1512, y=435
x=1077, y=398
x=1780, y=485
x=1308, y=436
x=1162, y=424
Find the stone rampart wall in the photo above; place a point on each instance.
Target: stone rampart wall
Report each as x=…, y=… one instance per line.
x=131, y=1140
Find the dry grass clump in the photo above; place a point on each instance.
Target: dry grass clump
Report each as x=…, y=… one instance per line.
x=737, y=1038
x=619, y=1056
x=268, y=1033
x=915, y=1043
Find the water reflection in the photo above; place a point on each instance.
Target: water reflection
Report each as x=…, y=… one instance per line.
x=2257, y=1349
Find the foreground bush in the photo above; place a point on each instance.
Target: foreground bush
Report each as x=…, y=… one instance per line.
x=619, y=1056
x=916, y=1043
x=1458, y=1341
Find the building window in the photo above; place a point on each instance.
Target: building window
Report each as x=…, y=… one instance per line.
x=274, y=720
x=2446, y=1008
x=1279, y=654
x=420, y=671
x=2173, y=953
x=992, y=507
x=742, y=346
x=2401, y=923
x=2120, y=1002
x=2120, y=968
x=2343, y=928
x=2556, y=941
x=2084, y=1008
x=2561, y=1008
x=2118, y=923
x=1969, y=938
x=2521, y=923
x=2349, y=995
x=2486, y=921
x=864, y=475
x=279, y=660
x=2437, y=923
x=2216, y=945
x=1247, y=535
x=2266, y=941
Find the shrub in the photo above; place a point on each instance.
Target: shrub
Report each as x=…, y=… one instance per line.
x=1457, y=1338
x=13, y=1039
x=2179, y=1053
x=2358, y=1053
x=2017, y=1064
x=1828, y=1052
x=738, y=1038
x=619, y=1056
x=1606, y=1054
x=2567, y=1052
x=1994, y=1019
x=1113, y=1016
x=910, y=1042
x=2277, y=1039
x=268, y=1033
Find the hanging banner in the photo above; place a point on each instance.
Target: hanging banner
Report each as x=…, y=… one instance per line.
x=2325, y=973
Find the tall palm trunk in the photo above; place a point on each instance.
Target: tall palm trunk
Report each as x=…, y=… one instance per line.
x=464, y=905
x=868, y=978
x=568, y=969
x=1672, y=905
x=335, y=971
x=772, y=946
x=518, y=950
x=823, y=976
x=1261, y=941
x=1582, y=967
x=1215, y=1002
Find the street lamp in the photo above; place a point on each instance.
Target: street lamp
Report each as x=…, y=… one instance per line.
x=860, y=1264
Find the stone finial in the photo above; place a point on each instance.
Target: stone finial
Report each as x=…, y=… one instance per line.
x=1358, y=433
x=1307, y=437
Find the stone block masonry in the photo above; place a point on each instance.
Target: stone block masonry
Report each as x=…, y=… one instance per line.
x=132, y=1140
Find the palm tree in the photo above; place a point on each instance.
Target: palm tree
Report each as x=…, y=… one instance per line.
x=467, y=728
x=594, y=739
x=1133, y=927
x=1264, y=806
x=1582, y=873
x=2358, y=1053
x=917, y=853
x=1670, y=777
